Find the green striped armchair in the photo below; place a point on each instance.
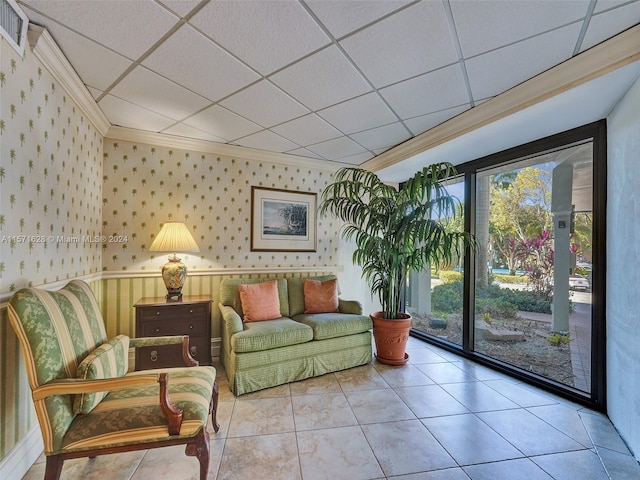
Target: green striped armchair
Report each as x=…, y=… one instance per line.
x=86, y=400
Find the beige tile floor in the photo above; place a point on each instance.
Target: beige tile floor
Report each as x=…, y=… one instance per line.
x=439, y=417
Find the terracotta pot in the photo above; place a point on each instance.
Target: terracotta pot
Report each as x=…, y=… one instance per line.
x=390, y=336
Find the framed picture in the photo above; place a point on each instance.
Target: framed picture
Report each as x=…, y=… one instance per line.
x=282, y=220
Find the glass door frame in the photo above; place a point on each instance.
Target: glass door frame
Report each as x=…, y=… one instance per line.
x=597, y=133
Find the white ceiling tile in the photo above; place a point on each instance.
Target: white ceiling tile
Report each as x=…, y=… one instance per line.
x=266, y=140
x=266, y=35
x=411, y=42
x=181, y=7
x=423, y=123
x=95, y=93
x=607, y=24
x=182, y=130
x=307, y=130
x=195, y=62
x=303, y=152
x=361, y=113
x=428, y=93
x=490, y=24
x=341, y=18
x=153, y=92
x=357, y=159
x=130, y=34
x=265, y=104
x=608, y=4
x=324, y=79
x=96, y=65
x=337, y=148
x=519, y=62
x=386, y=136
x=222, y=123
x=125, y=114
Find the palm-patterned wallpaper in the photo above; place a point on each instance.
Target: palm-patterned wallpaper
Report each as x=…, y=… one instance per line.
x=50, y=178
x=145, y=186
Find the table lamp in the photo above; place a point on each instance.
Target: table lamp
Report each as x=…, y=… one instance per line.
x=174, y=237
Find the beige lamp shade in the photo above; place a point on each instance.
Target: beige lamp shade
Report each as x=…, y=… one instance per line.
x=174, y=237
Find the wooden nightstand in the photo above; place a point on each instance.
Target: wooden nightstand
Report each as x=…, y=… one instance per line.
x=157, y=317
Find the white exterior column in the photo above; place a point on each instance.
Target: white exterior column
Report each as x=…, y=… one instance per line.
x=561, y=208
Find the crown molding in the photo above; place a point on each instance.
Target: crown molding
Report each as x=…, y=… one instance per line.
x=49, y=54
x=215, y=148
x=617, y=52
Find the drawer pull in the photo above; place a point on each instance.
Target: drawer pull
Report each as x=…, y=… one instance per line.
x=158, y=313
x=190, y=327
x=194, y=351
x=157, y=330
x=190, y=311
x=154, y=355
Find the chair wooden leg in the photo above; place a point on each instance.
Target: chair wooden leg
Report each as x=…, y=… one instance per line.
x=200, y=449
x=53, y=468
x=213, y=408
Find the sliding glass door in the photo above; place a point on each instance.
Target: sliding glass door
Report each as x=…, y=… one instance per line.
x=530, y=299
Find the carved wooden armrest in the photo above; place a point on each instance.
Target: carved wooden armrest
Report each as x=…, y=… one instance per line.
x=172, y=413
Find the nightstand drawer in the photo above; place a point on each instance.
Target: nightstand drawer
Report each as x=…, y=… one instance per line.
x=173, y=312
x=165, y=356
x=164, y=328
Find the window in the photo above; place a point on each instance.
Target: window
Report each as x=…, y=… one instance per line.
x=530, y=300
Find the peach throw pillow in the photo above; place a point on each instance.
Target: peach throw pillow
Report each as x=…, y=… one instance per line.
x=260, y=301
x=320, y=297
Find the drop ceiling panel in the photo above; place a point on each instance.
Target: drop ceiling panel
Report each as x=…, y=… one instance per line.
x=357, y=159
x=337, y=148
x=182, y=130
x=307, y=130
x=519, y=62
x=428, y=93
x=484, y=26
x=222, y=123
x=423, y=123
x=322, y=80
x=265, y=104
x=342, y=18
x=131, y=35
x=197, y=63
x=361, y=113
x=265, y=37
x=82, y=52
x=153, y=92
x=382, y=137
x=180, y=7
x=125, y=114
x=303, y=152
x=603, y=25
x=266, y=140
x=411, y=42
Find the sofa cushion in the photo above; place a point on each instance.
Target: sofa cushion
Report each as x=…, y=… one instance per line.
x=230, y=296
x=320, y=297
x=109, y=360
x=331, y=325
x=295, y=286
x=260, y=301
x=270, y=334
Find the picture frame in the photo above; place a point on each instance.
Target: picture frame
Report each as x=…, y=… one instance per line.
x=283, y=220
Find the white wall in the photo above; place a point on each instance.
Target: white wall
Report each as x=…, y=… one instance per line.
x=623, y=275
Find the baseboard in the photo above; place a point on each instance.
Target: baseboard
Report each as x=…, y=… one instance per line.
x=20, y=459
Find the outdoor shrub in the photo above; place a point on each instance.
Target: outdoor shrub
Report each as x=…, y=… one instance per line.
x=447, y=297
x=450, y=276
x=511, y=278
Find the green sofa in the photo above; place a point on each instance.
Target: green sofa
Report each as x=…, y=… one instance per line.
x=258, y=355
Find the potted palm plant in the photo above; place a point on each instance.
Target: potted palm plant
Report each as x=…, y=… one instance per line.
x=395, y=231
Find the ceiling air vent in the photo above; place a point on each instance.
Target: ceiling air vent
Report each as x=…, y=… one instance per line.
x=13, y=24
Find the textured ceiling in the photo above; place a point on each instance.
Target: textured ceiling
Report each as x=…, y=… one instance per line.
x=332, y=80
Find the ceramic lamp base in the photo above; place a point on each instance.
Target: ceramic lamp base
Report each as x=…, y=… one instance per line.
x=174, y=274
